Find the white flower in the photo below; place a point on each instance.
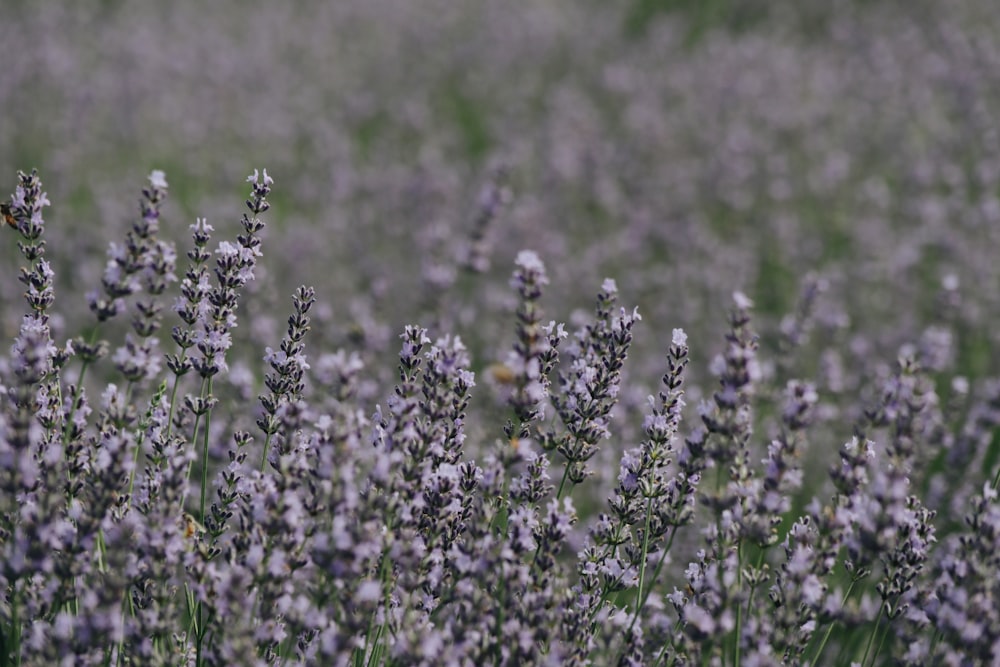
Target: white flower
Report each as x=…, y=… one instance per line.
x=742, y=301
x=158, y=179
x=529, y=261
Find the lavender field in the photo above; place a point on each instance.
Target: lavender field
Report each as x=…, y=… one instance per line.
x=398, y=333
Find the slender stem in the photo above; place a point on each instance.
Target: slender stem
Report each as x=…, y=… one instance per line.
x=204, y=457
x=141, y=433
x=663, y=651
x=195, y=608
x=559, y=493
x=263, y=456
x=562, y=482
x=370, y=642
x=128, y=607
x=376, y=651
x=881, y=642
x=196, y=431
x=642, y=596
x=200, y=634
x=79, y=388
x=753, y=589
x=102, y=550
x=739, y=607
x=871, y=637
x=829, y=627
x=15, y=623
x=173, y=400
x=72, y=406
x=659, y=566
x=194, y=612
x=642, y=565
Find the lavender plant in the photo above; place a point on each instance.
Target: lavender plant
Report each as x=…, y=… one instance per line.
x=174, y=524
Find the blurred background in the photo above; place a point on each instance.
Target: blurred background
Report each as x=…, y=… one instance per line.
x=838, y=162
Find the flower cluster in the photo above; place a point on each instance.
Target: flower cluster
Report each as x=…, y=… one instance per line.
x=426, y=526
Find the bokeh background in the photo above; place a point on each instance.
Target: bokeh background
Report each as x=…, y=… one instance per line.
x=838, y=162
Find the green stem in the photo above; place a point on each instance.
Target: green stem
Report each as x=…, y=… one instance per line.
x=881, y=642
x=102, y=549
x=204, y=455
x=192, y=610
x=195, y=608
x=559, y=493
x=263, y=456
x=173, y=400
x=659, y=566
x=663, y=651
x=562, y=482
x=739, y=607
x=72, y=406
x=79, y=388
x=199, y=635
x=830, y=626
x=871, y=637
x=643, y=596
x=128, y=607
x=196, y=430
x=642, y=565
x=370, y=641
x=753, y=589
x=15, y=624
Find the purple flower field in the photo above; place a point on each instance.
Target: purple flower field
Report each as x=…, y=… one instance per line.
x=565, y=333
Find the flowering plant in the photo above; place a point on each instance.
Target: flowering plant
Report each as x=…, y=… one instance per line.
x=172, y=524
